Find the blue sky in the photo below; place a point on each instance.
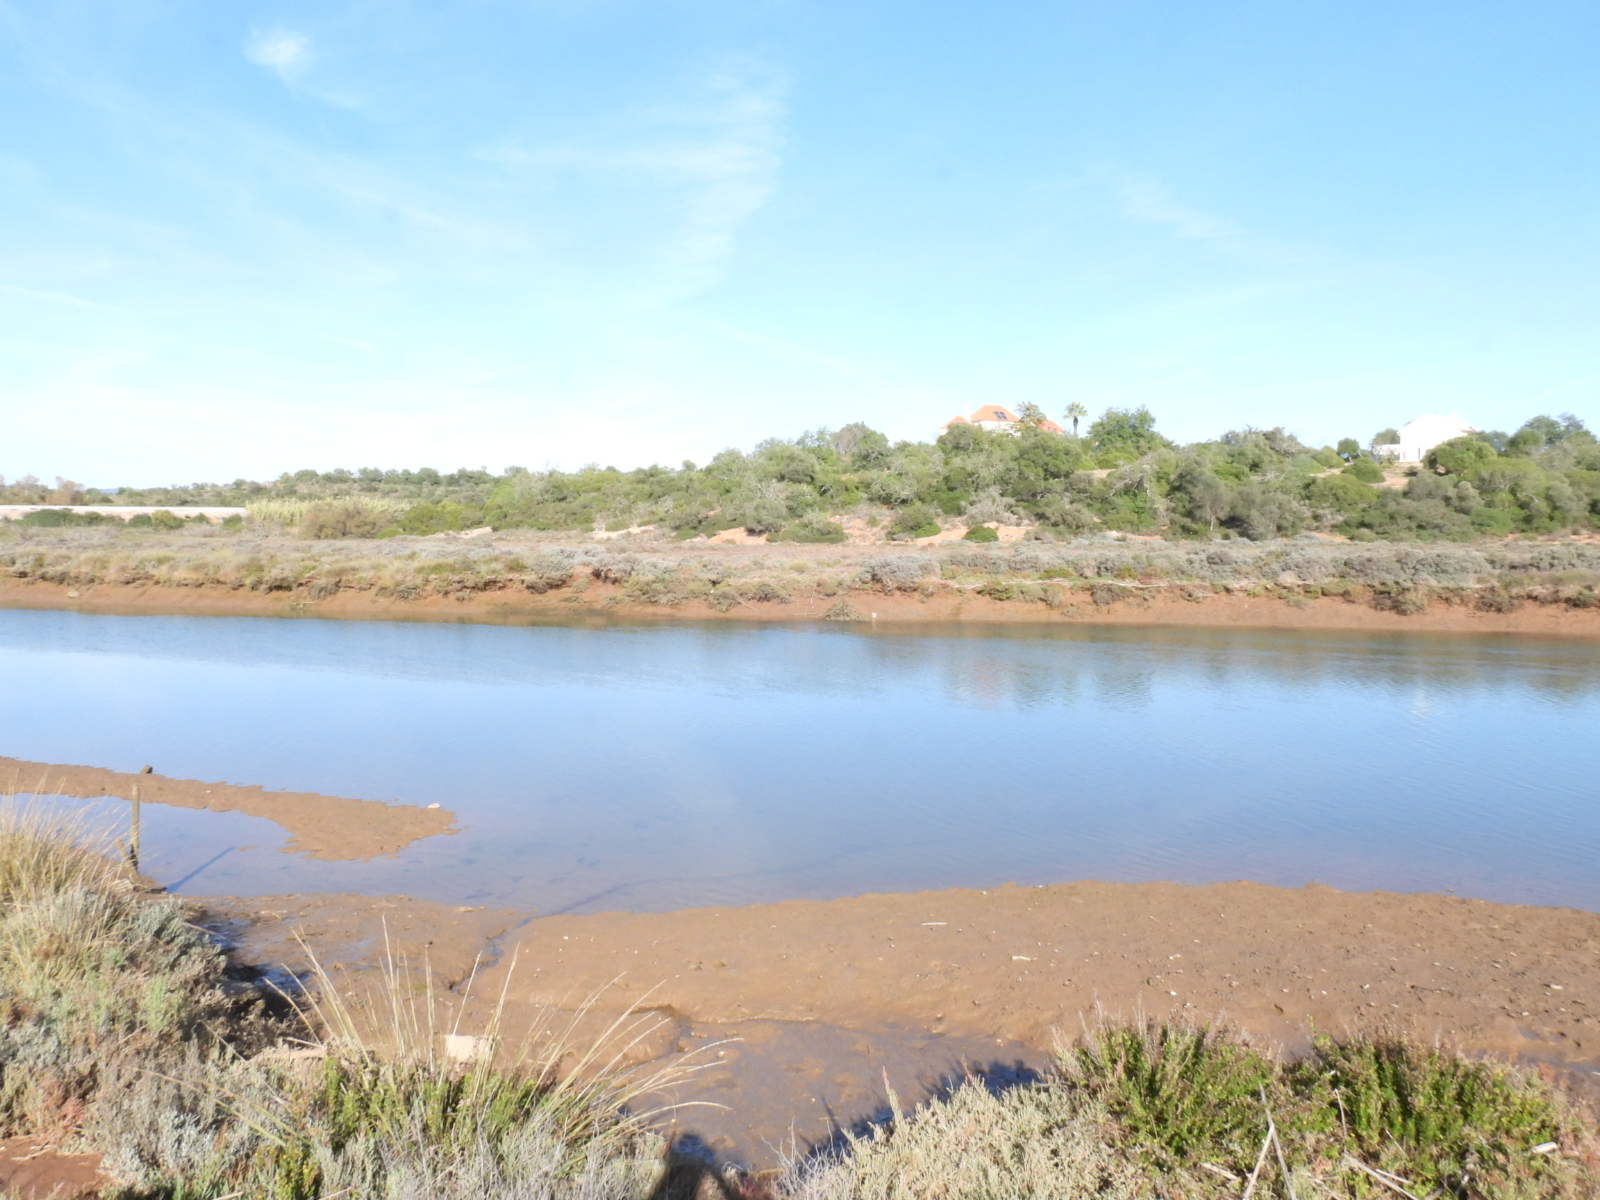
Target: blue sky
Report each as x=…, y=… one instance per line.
x=241, y=238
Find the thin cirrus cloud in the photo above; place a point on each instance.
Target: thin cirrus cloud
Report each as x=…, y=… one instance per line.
x=281, y=50
x=711, y=163
x=1148, y=199
x=290, y=56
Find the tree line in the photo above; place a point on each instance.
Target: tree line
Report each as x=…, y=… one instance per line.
x=1121, y=473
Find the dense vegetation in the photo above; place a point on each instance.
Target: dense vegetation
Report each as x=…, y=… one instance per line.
x=125, y=1030
x=1122, y=474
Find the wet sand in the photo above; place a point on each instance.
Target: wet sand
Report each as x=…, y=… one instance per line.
x=823, y=997
x=334, y=828
x=601, y=602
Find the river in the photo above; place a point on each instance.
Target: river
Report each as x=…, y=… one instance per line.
x=674, y=765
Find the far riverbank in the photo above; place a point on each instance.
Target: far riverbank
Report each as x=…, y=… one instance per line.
x=612, y=603
x=1525, y=586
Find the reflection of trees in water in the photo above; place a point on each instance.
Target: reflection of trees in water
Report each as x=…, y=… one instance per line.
x=1123, y=667
x=984, y=666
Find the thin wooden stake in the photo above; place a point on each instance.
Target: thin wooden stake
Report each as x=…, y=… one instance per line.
x=133, y=843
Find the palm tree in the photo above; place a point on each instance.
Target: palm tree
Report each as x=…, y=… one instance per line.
x=1074, y=411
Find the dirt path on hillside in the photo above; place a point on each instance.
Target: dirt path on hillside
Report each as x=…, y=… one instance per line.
x=603, y=603
x=327, y=827
x=825, y=996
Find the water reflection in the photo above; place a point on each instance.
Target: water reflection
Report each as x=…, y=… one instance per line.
x=671, y=765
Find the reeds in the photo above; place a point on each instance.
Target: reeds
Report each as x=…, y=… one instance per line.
x=290, y=513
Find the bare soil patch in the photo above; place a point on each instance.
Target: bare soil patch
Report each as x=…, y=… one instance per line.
x=31, y=1169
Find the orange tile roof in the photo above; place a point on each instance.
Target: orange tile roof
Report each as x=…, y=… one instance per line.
x=1004, y=416
x=992, y=412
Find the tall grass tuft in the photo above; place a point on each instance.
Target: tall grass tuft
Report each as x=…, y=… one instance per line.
x=387, y=1111
x=44, y=852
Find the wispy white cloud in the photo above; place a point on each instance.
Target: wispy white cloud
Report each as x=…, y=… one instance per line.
x=282, y=50
x=1146, y=198
x=1149, y=199
x=292, y=57
x=711, y=161
x=59, y=298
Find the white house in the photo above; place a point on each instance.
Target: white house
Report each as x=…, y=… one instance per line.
x=994, y=416
x=1427, y=431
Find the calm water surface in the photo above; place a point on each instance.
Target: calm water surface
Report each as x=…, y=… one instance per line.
x=660, y=767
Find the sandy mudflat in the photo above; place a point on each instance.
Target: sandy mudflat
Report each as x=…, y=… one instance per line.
x=604, y=602
x=326, y=827
x=824, y=996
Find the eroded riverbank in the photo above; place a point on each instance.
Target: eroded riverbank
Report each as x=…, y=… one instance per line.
x=608, y=603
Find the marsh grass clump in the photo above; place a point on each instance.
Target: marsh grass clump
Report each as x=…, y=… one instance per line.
x=1033, y=1141
x=43, y=853
x=93, y=974
x=127, y=1031
x=1180, y=1093
x=897, y=572
x=1163, y=1109
x=386, y=1113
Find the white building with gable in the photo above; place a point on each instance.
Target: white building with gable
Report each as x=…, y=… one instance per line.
x=1427, y=431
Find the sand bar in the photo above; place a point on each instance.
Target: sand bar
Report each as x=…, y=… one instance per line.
x=327, y=827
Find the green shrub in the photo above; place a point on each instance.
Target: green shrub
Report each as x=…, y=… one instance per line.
x=918, y=521
x=814, y=529
x=342, y=519
x=166, y=521
x=1436, y=1118
x=57, y=518
x=1172, y=1110
x=1182, y=1093
x=1364, y=470
x=980, y=533
x=443, y=517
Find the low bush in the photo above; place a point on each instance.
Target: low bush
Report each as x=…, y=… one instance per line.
x=918, y=521
x=126, y=1031
x=57, y=518
x=342, y=519
x=814, y=529
x=980, y=533
x=1172, y=1110
x=896, y=573
x=1365, y=470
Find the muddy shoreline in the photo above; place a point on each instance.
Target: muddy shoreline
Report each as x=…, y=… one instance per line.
x=821, y=997
x=602, y=602
x=333, y=828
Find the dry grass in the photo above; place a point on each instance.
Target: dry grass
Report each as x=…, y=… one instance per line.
x=1401, y=578
x=372, y=1104
x=125, y=1030
x=45, y=852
